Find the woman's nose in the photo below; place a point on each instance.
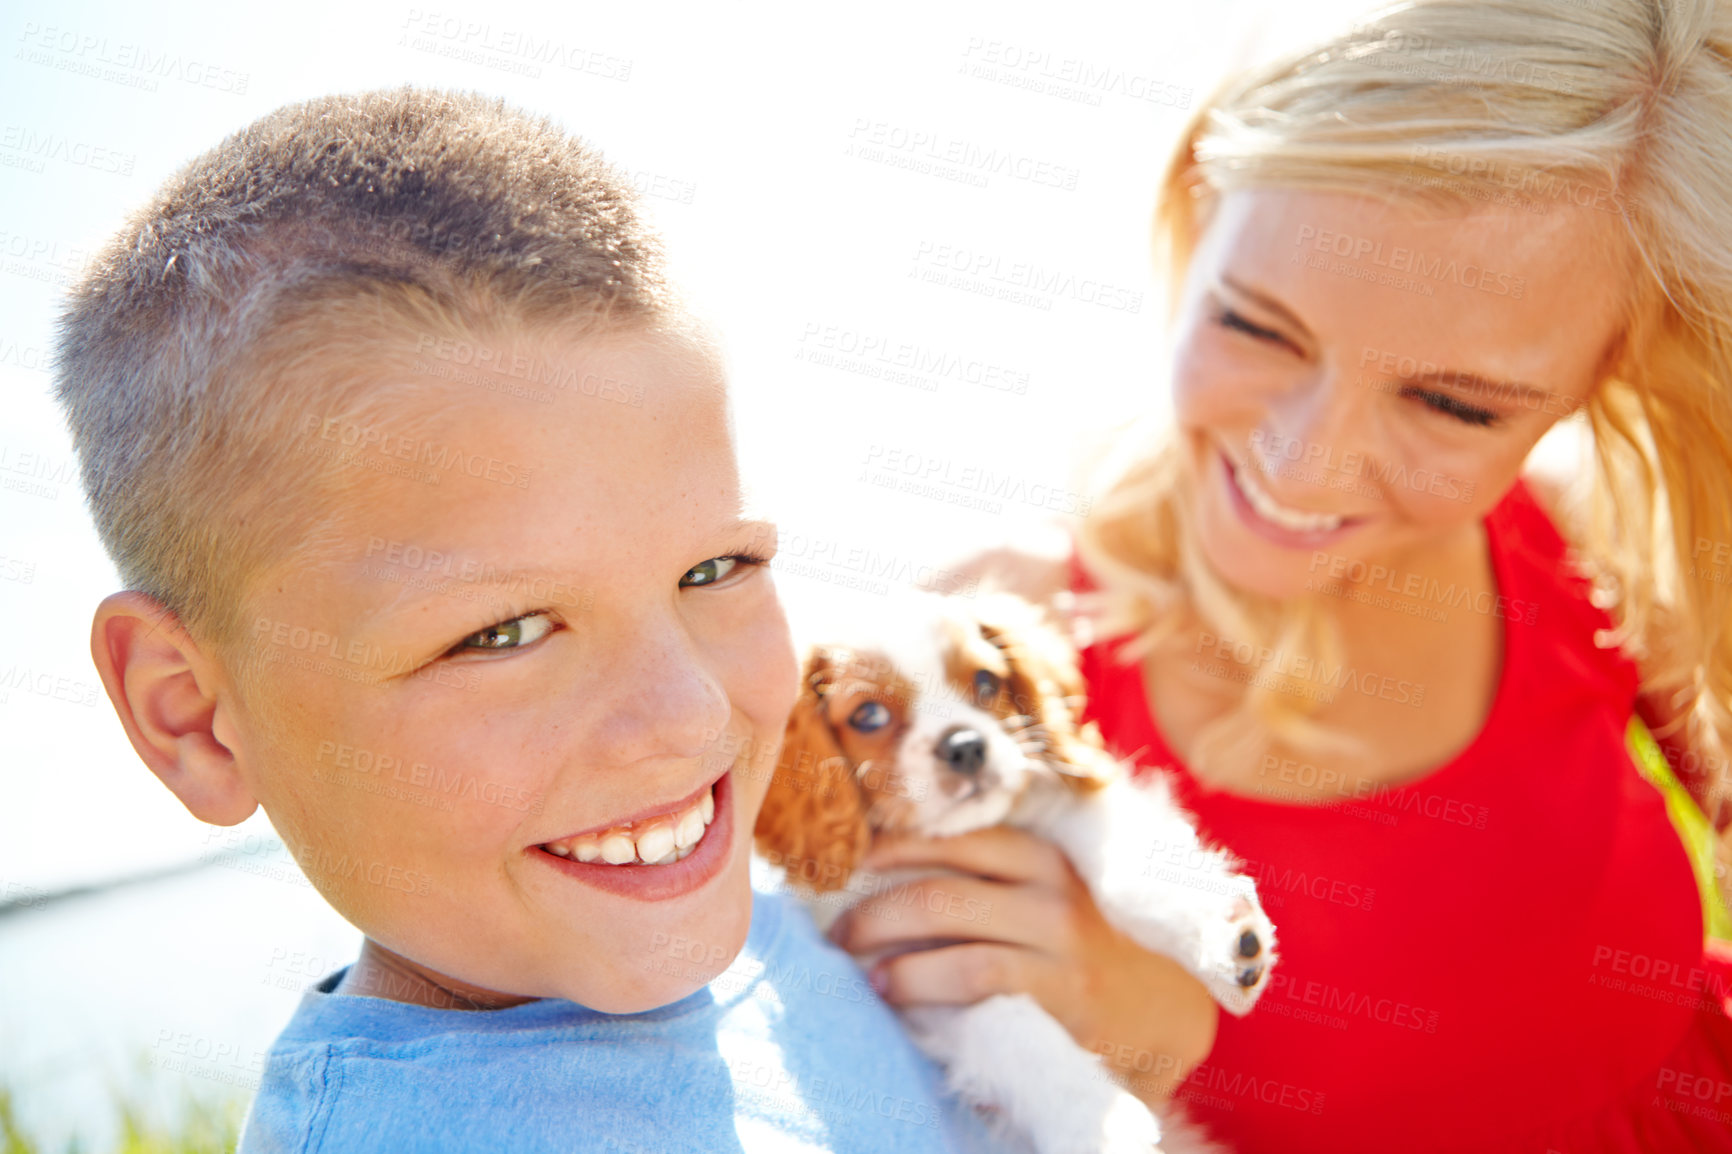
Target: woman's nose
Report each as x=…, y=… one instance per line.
x=1318, y=423
x=660, y=700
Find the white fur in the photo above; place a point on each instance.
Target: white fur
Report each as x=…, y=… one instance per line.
x=1154, y=879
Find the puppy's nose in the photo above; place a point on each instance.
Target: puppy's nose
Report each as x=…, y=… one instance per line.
x=963, y=750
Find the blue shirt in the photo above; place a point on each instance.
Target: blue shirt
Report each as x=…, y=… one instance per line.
x=789, y=1049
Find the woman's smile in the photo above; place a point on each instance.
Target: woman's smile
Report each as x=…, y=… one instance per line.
x=1273, y=521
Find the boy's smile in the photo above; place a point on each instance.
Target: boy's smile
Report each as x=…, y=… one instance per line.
x=558, y=618
x=665, y=853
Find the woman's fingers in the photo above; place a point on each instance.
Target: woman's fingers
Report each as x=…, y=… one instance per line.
x=967, y=908
x=1000, y=852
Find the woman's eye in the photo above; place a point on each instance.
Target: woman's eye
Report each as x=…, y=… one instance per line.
x=986, y=686
x=870, y=717
x=513, y=634
x=709, y=572
x=1229, y=319
x=1444, y=403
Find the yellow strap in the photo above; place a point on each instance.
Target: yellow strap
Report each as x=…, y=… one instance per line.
x=1691, y=824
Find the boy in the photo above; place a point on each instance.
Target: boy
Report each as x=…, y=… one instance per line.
x=416, y=472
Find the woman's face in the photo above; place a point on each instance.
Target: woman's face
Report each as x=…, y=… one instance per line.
x=1358, y=379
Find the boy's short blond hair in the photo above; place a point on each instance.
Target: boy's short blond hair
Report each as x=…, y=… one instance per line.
x=277, y=274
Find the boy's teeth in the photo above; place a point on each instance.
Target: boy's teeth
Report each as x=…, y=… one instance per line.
x=690, y=829
x=656, y=843
x=1269, y=510
x=662, y=841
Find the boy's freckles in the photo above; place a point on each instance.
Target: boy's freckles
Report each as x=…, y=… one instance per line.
x=621, y=690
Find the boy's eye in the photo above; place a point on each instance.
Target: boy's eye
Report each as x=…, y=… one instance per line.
x=1444, y=403
x=709, y=572
x=513, y=634
x=986, y=685
x=870, y=717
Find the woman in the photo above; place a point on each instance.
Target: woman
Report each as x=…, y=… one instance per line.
x=1411, y=688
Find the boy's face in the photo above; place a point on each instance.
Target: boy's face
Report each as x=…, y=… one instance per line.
x=569, y=629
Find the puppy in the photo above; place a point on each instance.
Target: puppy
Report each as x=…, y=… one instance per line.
x=946, y=716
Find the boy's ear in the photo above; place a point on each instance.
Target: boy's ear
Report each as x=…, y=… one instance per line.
x=161, y=686
x=813, y=820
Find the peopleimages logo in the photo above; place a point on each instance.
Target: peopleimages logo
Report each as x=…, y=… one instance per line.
x=881, y=141
x=1411, y=261
x=1320, y=459
x=1535, y=185
x=1352, y=1003
x=1068, y=77
x=1661, y=974
x=1336, y=573
x=1302, y=667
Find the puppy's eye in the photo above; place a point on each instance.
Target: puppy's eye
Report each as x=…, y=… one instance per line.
x=870, y=717
x=986, y=686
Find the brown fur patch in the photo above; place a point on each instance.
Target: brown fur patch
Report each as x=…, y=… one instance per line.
x=833, y=784
x=813, y=820
x=1045, y=690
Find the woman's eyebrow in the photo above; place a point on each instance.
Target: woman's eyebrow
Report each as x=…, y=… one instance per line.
x=1264, y=300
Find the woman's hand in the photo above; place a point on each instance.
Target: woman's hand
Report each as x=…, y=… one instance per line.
x=1023, y=922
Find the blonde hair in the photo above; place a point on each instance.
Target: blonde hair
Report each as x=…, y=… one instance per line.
x=283, y=274
x=1625, y=105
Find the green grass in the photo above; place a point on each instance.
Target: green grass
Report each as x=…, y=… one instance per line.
x=202, y=1126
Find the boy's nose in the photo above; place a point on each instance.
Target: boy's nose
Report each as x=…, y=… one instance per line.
x=661, y=700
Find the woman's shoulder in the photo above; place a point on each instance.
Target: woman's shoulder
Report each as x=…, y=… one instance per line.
x=1542, y=517
x=1035, y=565
x=1533, y=515
x=1546, y=490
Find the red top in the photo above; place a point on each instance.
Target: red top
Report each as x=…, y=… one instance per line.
x=1510, y=945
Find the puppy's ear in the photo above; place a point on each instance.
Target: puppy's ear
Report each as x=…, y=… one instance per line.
x=1046, y=654
x=1046, y=687
x=813, y=822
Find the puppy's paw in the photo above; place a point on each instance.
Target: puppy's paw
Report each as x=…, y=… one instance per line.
x=1238, y=954
x=1253, y=945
